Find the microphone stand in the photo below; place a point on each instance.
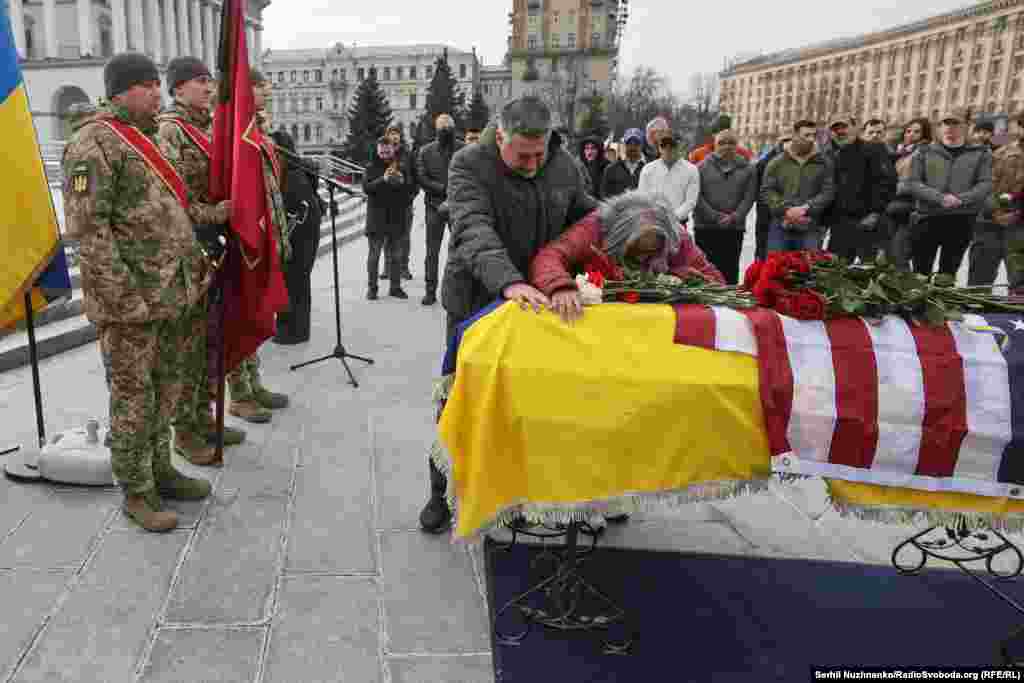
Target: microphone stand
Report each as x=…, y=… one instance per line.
x=339, y=352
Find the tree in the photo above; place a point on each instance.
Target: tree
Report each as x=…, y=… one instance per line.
x=704, y=91
x=443, y=97
x=479, y=113
x=368, y=118
x=592, y=120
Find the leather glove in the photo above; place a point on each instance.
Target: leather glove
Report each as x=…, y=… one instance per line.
x=213, y=240
x=443, y=209
x=870, y=222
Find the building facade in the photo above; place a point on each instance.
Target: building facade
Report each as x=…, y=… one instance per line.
x=565, y=50
x=63, y=45
x=314, y=88
x=971, y=59
x=496, y=87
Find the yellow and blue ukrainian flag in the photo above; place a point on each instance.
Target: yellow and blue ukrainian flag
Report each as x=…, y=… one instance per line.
x=31, y=254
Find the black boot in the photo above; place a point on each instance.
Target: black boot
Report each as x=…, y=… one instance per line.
x=436, y=517
x=430, y=299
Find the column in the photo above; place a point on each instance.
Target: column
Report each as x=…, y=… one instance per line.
x=196, y=30
x=170, y=31
x=250, y=41
x=212, y=39
x=258, y=30
x=85, y=33
x=18, y=26
x=50, y=27
x=138, y=27
x=155, y=29
x=183, y=42
x=117, y=18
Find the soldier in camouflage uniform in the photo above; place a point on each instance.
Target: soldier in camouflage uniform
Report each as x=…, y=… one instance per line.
x=185, y=135
x=250, y=400
x=999, y=230
x=142, y=270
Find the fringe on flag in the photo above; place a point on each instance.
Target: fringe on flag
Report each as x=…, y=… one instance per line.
x=928, y=517
x=594, y=511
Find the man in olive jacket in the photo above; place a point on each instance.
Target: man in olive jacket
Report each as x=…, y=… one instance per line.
x=509, y=195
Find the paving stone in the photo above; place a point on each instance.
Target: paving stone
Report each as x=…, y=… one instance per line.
x=207, y=655
x=102, y=629
x=60, y=531
x=400, y=460
x=262, y=470
x=332, y=524
x=326, y=629
x=229, y=574
x=704, y=537
x=775, y=528
x=431, y=601
x=17, y=501
x=27, y=597
x=429, y=669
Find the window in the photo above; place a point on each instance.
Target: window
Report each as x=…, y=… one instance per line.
x=412, y=100
x=555, y=40
x=319, y=104
x=319, y=132
x=360, y=74
x=293, y=76
x=462, y=70
x=295, y=131
x=993, y=88
x=554, y=17
x=399, y=73
x=307, y=131
x=487, y=88
x=318, y=76
x=305, y=77
x=595, y=40
x=412, y=73
x=341, y=74
x=306, y=105
x=429, y=73
x=572, y=40
x=280, y=77
x=334, y=74
x=387, y=73
x=373, y=71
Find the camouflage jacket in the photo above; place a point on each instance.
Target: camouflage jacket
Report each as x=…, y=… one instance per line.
x=275, y=194
x=139, y=259
x=191, y=161
x=1007, y=175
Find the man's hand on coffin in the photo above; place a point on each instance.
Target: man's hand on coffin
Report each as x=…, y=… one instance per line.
x=526, y=296
x=568, y=304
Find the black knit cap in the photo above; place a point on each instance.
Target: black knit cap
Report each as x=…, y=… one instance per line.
x=183, y=69
x=256, y=77
x=126, y=70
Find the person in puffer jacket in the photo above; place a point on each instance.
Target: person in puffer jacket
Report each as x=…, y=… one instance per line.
x=949, y=181
x=591, y=155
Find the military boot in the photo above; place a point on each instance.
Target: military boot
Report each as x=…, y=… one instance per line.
x=436, y=516
x=195, y=450
x=250, y=411
x=208, y=428
x=177, y=486
x=145, y=512
x=269, y=399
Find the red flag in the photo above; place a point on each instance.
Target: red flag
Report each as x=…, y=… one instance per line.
x=254, y=288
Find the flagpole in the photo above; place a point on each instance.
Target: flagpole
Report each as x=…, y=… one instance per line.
x=33, y=356
x=221, y=285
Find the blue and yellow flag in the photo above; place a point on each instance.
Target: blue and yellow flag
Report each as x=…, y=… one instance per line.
x=31, y=254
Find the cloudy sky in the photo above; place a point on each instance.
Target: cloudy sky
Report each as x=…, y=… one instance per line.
x=676, y=38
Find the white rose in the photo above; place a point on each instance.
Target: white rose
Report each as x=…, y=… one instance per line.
x=589, y=292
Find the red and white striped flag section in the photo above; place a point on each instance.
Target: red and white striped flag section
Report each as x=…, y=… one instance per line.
x=894, y=404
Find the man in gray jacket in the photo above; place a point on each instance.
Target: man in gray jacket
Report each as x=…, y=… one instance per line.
x=728, y=190
x=432, y=175
x=508, y=196
x=949, y=181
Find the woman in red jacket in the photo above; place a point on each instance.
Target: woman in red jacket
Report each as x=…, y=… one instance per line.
x=635, y=230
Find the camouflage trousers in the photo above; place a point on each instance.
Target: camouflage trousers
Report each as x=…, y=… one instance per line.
x=192, y=414
x=143, y=363
x=244, y=381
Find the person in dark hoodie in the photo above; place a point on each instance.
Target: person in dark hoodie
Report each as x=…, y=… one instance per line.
x=304, y=209
x=388, y=190
x=592, y=157
x=406, y=162
x=432, y=174
x=624, y=174
x=509, y=195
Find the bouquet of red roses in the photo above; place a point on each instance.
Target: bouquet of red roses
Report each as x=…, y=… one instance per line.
x=815, y=285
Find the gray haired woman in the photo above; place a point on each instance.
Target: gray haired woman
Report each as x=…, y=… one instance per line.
x=634, y=229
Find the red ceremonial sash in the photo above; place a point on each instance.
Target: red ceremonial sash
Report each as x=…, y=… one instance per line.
x=150, y=153
x=197, y=136
x=271, y=153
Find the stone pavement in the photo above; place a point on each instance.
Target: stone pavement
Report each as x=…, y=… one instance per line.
x=306, y=564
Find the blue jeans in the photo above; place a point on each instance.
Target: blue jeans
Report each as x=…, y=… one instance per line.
x=780, y=239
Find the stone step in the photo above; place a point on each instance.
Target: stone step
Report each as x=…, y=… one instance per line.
x=349, y=213
x=70, y=328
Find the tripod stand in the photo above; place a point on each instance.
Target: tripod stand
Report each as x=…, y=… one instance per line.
x=339, y=349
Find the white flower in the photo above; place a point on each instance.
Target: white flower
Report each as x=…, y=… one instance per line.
x=589, y=292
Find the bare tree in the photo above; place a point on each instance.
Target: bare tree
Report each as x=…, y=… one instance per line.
x=704, y=93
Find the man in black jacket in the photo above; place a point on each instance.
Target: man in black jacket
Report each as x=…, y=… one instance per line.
x=509, y=196
x=763, y=215
x=865, y=183
x=432, y=175
x=624, y=174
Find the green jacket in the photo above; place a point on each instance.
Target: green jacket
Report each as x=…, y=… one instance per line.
x=788, y=183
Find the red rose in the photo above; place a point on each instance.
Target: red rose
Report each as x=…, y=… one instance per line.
x=596, y=278
x=786, y=304
x=809, y=305
x=752, y=275
x=799, y=263
x=766, y=291
x=629, y=297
